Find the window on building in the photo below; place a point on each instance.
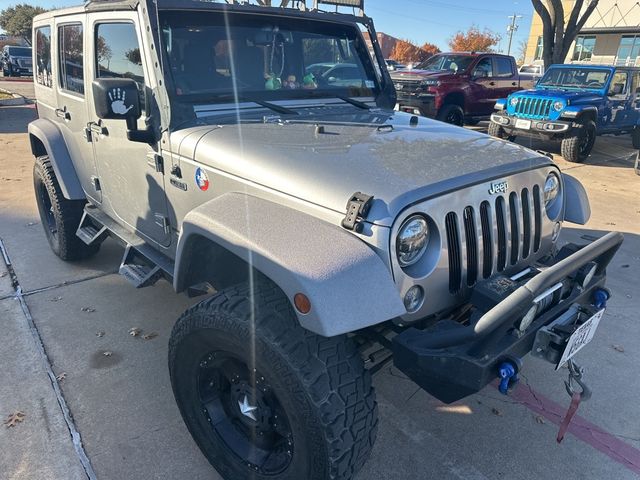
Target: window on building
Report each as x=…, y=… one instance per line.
x=71, y=61
x=117, y=53
x=628, y=50
x=43, y=57
x=584, y=47
x=539, y=49
x=503, y=67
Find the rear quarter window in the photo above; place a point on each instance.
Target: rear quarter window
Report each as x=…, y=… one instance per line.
x=42, y=67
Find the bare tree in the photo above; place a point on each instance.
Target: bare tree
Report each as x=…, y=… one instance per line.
x=557, y=35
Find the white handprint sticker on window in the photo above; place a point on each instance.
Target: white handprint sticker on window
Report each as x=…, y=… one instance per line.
x=117, y=97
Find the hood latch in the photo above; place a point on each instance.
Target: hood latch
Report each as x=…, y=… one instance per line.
x=357, y=209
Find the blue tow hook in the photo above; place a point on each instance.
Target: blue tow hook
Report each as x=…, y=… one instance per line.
x=508, y=373
x=600, y=298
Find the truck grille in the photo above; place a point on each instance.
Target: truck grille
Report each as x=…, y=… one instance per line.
x=532, y=107
x=24, y=62
x=407, y=85
x=492, y=237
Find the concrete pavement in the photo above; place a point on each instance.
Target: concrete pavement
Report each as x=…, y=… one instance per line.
x=122, y=405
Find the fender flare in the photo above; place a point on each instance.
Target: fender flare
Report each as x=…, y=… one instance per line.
x=50, y=136
x=577, y=209
x=348, y=284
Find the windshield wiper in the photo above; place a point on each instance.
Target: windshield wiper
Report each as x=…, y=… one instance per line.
x=262, y=103
x=354, y=102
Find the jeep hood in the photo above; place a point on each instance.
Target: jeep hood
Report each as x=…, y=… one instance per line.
x=572, y=96
x=326, y=159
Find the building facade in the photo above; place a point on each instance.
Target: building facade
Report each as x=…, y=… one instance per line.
x=610, y=36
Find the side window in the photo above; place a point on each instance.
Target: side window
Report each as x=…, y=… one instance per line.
x=43, y=57
x=71, y=62
x=118, y=52
x=483, y=68
x=503, y=67
x=618, y=84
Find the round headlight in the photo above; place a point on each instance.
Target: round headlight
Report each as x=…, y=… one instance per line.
x=558, y=106
x=552, y=196
x=412, y=240
x=551, y=189
x=514, y=101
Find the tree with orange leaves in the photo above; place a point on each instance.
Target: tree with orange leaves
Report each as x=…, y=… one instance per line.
x=405, y=51
x=474, y=40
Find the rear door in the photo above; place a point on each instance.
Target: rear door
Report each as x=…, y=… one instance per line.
x=620, y=101
x=132, y=182
x=506, y=76
x=70, y=112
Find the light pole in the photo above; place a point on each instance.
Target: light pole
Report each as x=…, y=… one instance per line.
x=511, y=28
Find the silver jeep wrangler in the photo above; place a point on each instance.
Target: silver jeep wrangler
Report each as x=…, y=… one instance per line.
x=251, y=154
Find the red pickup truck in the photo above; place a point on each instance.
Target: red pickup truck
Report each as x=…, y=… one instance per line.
x=458, y=87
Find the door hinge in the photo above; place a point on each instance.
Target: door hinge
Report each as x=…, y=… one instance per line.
x=95, y=181
x=159, y=161
x=163, y=222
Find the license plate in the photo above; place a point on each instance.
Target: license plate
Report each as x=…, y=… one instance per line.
x=583, y=335
x=523, y=124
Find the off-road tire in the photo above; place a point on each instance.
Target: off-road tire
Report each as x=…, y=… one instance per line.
x=451, y=113
x=635, y=138
x=578, y=146
x=497, y=131
x=63, y=215
x=320, y=382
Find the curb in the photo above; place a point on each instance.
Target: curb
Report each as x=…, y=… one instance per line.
x=16, y=100
x=16, y=79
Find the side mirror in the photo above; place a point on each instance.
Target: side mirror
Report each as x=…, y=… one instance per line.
x=118, y=99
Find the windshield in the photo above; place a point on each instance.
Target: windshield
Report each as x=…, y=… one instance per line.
x=447, y=62
x=20, y=51
x=575, y=78
x=265, y=57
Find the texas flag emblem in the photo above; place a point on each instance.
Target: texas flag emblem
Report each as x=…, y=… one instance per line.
x=202, y=180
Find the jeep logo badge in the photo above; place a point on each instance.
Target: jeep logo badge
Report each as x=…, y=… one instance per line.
x=498, y=187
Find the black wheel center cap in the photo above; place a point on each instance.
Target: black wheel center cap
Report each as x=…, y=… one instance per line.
x=250, y=407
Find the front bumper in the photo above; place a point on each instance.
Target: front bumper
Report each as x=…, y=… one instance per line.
x=420, y=104
x=538, y=128
x=451, y=360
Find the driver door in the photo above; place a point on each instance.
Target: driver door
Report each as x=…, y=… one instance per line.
x=133, y=189
x=484, y=88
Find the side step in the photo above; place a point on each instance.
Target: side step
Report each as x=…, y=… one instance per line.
x=139, y=270
x=90, y=231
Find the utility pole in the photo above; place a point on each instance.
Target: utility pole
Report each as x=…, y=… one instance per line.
x=511, y=28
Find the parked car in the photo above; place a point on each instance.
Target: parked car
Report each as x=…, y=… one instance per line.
x=535, y=69
x=458, y=88
x=16, y=61
x=393, y=65
x=573, y=104
x=318, y=224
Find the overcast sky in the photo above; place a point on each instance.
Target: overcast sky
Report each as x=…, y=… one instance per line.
x=433, y=21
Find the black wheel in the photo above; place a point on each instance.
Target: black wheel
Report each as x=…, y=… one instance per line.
x=497, y=131
x=265, y=399
x=578, y=146
x=452, y=114
x=60, y=217
x=635, y=137
x=10, y=71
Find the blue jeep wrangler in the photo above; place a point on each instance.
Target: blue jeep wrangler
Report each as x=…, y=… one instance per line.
x=573, y=103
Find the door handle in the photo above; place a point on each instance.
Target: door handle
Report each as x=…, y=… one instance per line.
x=492, y=83
x=62, y=113
x=514, y=84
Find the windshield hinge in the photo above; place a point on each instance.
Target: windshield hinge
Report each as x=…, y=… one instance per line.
x=357, y=209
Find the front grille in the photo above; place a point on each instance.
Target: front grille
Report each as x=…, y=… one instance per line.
x=492, y=237
x=533, y=107
x=24, y=62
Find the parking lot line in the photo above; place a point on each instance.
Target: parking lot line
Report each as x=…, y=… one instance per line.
x=581, y=428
